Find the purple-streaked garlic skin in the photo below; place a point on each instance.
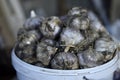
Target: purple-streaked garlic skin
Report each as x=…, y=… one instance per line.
x=90, y=58
x=51, y=27
x=65, y=61
x=44, y=52
x=71, y=36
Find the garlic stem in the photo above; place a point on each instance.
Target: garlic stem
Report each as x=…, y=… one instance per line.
x=32, y=14
x=67, y=49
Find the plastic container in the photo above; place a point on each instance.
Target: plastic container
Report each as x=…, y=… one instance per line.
x=26, y=71
x=119, y=60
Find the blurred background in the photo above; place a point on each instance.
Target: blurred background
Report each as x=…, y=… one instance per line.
x=13, y=13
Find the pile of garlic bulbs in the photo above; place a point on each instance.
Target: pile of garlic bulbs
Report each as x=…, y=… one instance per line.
x=73, y=41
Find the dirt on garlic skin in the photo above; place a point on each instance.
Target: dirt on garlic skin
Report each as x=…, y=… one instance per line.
x=45, y=51
x=90, y=58
x=51, y=27
x=65, y=61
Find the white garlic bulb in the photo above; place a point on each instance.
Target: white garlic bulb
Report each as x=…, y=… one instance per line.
x=90, y=58
x=71, y=36
x=51, y=27
x=65, y=60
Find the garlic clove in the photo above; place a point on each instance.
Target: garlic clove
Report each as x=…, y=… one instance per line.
x=64, y=60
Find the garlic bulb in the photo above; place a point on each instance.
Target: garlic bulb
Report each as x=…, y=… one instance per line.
x=77, y=11
x=44, y=52
x=21, y=34
x=107, y=47
x=51, y=27
x=71, y=36
x=65, y=43
x=27, y=43
x=78, y=18
x=65, y=60
x=34, y=22
x=25, y=51
x=96, y=24
x=90, y=58
x=104, y=44
x=91, y=36
x=79, y=22
x=29, y=38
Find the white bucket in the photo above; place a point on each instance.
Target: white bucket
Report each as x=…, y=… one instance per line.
x=26, y=71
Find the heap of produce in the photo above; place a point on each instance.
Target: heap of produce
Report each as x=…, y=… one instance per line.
x=73, y=41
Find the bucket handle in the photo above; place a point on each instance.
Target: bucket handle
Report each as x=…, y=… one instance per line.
x=85, y=78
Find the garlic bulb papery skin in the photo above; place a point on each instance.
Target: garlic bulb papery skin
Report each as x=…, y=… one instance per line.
x=30, y=38
x=95, y=23
x=51, y=27
x=44, y=52
x=34, y=22
x=107, y=47
x=90, y=58
x=91, y=36
x=21, y=34
x=26, y=52
x=81, y=23
x=104, y=44
x=71, y=36
x=77, y=11
x=65, y=61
